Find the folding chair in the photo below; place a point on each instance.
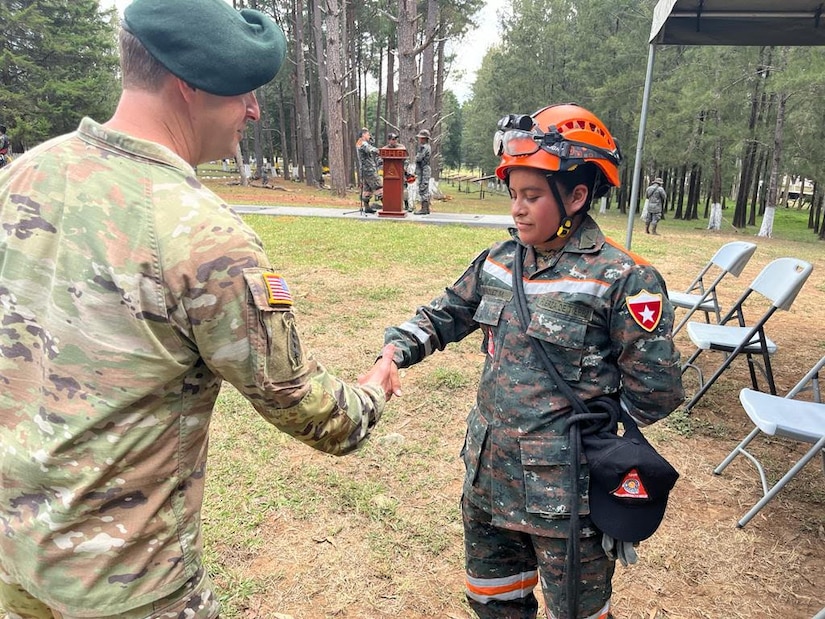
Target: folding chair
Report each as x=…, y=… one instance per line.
x=779, y=282
x=730, y=258
x=786, y=417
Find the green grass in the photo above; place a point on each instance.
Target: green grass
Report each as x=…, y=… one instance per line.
x=286, y=527
x=789, y=223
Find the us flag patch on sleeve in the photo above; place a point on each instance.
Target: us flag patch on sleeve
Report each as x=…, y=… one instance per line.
x=277, y=291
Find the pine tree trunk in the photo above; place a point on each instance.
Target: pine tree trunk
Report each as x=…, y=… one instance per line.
x=407, y=83
x=241, y=168
x=307, y=140
x=336, y=74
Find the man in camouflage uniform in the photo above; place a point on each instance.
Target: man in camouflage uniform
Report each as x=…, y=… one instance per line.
x=423, y=171
x=368, y=164
x=656, y=200
x=129, y=292
x=602, y=316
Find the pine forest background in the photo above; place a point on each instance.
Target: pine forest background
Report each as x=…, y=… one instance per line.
x=740, y=126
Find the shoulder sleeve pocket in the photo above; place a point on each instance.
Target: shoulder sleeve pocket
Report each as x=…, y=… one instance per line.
x=262, y=295
x=273, y=337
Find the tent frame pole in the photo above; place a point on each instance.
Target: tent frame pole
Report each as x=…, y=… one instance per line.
x=637, y=164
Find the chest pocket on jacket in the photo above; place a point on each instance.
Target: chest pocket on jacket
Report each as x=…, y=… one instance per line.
x=488, y=313
x=489, y=310
x=548, y=488
x=564, y=335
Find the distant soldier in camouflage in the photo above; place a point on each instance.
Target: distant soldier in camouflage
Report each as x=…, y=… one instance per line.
x=129, y=292
x=372, y=186
x=602, y=316
x=5, y=144
x=423, y=171
x=656, y=200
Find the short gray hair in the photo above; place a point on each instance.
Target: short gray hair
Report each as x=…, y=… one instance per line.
x=140, y=70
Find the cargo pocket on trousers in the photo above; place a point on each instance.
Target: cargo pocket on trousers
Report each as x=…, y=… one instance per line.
x=548, y=488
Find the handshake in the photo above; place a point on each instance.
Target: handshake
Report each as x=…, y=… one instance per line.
x=384, y=373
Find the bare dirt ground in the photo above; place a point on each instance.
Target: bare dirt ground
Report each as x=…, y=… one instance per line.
x=378, y=534
x=282, y=192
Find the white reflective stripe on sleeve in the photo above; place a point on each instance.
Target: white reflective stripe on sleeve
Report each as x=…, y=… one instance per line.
x=419, y=334
x=507, y=588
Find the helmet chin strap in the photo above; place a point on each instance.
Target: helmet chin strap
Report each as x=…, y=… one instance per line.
x=566, y=222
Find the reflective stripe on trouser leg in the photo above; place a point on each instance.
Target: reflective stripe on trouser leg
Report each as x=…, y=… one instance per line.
x=507, y=588
x=501, y=568
x=602, y=613
x=502, y=558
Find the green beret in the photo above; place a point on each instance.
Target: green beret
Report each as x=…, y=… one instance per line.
x=208, y=44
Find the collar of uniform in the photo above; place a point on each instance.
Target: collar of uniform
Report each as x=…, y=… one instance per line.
x=587, y=239
x=95, y=133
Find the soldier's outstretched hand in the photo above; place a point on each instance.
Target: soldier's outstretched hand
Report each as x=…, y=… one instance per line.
x=384, y=373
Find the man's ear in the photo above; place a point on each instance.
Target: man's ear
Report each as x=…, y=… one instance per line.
x=186, y=90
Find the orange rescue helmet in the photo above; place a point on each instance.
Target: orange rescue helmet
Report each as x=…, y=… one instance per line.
x=558, y=138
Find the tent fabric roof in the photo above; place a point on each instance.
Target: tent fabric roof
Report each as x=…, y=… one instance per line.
x=738, y=22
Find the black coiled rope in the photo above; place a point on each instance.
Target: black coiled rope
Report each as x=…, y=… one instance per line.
x=598, y=415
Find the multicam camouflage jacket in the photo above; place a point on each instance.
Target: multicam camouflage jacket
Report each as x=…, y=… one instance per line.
x=606, y=325
x=128, y=293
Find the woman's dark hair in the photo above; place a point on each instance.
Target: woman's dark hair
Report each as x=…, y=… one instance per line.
x=584, y=174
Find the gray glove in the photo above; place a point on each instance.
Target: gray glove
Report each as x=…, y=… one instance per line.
x=619, y=551
x=633, y=412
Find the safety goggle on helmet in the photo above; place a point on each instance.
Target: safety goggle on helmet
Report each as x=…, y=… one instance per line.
x=557, y=138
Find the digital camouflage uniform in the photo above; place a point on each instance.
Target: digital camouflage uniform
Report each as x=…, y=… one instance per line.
x=516, y=450
x=423, y=171
x=656, y=198
x=129, y=292
x=369, y=162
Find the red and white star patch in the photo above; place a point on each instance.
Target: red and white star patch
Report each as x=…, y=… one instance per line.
x=646, y=309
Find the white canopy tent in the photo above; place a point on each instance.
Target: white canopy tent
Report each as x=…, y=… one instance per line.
x=723, y=22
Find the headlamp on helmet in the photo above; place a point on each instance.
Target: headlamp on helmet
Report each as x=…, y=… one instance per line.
x=523, y=122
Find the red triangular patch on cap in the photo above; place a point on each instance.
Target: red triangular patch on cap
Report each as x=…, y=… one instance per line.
x=631, y=487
